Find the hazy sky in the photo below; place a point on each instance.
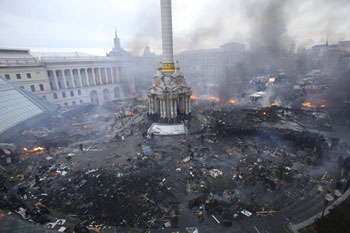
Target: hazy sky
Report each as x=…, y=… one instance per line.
x=88, y=25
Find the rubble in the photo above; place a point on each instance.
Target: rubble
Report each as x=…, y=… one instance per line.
x=239, y=162
x=215, y=173
x=187, y=159
x=192, y=230
x=246, y=213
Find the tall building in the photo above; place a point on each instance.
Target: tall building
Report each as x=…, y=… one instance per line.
x=169, y=94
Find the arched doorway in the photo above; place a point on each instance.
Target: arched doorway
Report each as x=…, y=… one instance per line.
x=117, y=93
x=94, y=97
x=105, y=95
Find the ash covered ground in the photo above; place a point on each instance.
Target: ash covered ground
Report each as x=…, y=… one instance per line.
x=237, y=170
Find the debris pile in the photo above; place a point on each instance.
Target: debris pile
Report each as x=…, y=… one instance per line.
x=135, y=200
x=97, y=168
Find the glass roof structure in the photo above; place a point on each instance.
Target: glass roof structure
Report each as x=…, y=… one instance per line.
x=18, y=105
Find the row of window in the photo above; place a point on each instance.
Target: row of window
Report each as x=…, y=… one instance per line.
x=32, y=87
x=18, y=76
x=73, y=103
x=64, y=95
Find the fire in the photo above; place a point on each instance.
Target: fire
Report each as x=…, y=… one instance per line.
x=217, y=99
x=131, y=114
x=318, y=104
x=86, y=127
x=309, y=105
x=264, y=113
x=194, y=97
x=273, y=104
x=96, y=116
x=35, y=149
x=272, y=80
x=73, y=117
x=233, y=101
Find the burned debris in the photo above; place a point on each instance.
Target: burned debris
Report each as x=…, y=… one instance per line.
x=263, y=147
x=106, y=198
x=239, y=165
x=97, y=168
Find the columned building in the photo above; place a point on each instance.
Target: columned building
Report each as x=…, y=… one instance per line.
x=95, y=81
x=169, y=94
x=68, y=81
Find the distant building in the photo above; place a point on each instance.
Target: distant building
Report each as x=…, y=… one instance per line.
x=318, y=51
x=143, y=69
x=117, y=49
x=329, y=57
x=233, y=46
x=210, y=64
x=345, y=45
x=147, y=52
x=292, y=48
x=301, y=51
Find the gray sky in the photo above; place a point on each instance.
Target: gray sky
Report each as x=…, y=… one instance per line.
x=88, y=25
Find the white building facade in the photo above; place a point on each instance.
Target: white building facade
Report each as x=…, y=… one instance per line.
x=68, y=81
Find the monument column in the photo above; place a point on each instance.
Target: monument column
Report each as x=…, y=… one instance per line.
x=167, y=36
x=161, y=88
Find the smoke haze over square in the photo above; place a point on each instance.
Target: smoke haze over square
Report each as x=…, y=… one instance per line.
x=78, y=25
